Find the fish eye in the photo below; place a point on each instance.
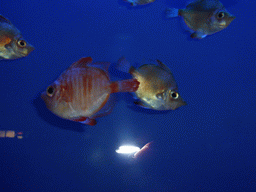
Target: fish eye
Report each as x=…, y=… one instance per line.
x=174, y=95
x=22, y=43
x=50, y=91
x=221, y=15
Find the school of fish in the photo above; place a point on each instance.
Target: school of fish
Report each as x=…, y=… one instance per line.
x=82, y=92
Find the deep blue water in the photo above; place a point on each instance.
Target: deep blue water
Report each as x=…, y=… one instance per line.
x=207, y=145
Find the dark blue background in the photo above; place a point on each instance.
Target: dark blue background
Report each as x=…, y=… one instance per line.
x=208, y=145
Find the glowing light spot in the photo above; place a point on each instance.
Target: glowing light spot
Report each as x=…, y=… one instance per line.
x=127, y=149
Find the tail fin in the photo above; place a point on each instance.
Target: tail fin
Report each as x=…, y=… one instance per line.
x=129, y=85
x=123, y=65
x=171, y=12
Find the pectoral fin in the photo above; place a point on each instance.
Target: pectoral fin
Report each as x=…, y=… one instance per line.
x=198, y=35
x=141, y=104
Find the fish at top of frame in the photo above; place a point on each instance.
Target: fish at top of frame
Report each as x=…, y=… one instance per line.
x=203, y=17
x=12, y=44
x=139, y=2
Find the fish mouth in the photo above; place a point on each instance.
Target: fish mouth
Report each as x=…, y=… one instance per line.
x=222, y=24
x=30, y=48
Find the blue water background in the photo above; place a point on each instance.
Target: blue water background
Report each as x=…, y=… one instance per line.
x=208, y=145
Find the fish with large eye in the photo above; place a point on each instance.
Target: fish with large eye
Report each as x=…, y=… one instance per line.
x=158, y=89
x=203, y=17
x=82, y=92
x=139, y=2
x=12, y=44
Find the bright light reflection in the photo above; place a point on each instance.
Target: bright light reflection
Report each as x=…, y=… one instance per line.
x=127, y=149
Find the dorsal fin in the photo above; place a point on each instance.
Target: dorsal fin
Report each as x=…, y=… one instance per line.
x=4, y=20
x=83, y=62
x=172, y=80
x=203, y=5
x=162, y=65
x=101, y=65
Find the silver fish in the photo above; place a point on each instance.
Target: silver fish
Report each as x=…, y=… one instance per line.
x=158, y=89
x=12, y=44
x=203, y=17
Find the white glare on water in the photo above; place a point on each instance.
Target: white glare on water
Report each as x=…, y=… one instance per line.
x=127, y=149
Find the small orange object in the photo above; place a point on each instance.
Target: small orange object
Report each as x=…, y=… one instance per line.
x=10, y=134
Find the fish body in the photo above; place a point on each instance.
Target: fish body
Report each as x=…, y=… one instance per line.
x=158, y=89
x=139, y=2
x=12, y=44
x=203, y=17
x=83, y=90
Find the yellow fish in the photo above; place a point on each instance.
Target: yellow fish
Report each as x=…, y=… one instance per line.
x=12, y=44
x=158, y=89
x=203, y=17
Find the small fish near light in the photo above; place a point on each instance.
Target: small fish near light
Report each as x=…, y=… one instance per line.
x=81, y=93
x=203, y=17
x=135, y=152
x=139, y=2
x=158, y=89
x=12, y=44
x=143, y=151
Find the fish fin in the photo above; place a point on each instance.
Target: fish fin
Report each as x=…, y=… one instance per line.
x=162, y=65
x=160, y=95
x=85, y=120
x=4, y=20
x=132, y=70
x=171, y=12
x=129, y=85
x=141, y=104
x=193, y=3
x=107, y=108
x=101, y=65
x=198, y=35
x=201, y=5
x=83, y=62
x=123, y=65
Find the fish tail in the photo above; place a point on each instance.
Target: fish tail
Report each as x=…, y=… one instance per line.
x=172, y=12
x=129, y=85
x=123, y=65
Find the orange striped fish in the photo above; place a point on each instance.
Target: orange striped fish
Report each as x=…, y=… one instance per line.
x=81, y=92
